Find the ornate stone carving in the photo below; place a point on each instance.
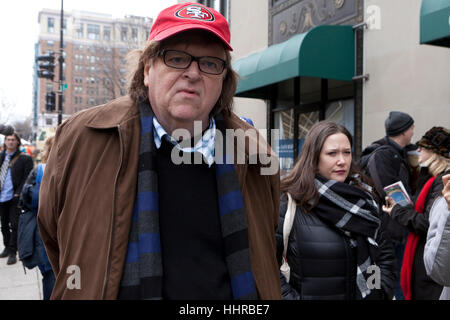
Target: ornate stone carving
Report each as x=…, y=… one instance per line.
x=291, y=17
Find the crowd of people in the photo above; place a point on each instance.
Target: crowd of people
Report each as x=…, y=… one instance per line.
x=113, y=202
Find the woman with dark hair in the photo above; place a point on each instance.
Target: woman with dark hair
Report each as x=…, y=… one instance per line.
x=337, y=247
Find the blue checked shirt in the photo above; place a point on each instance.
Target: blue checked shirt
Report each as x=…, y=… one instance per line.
x=7, y=191
x=205, y=145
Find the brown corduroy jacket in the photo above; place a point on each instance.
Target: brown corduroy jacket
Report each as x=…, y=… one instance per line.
x=87, y=196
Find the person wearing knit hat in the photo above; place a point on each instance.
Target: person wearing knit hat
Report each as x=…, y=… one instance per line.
x=386, y=162
x=143, y=199
x=434, y=159
x=397, y=123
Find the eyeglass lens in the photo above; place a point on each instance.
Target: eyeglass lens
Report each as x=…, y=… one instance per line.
x=182, y=60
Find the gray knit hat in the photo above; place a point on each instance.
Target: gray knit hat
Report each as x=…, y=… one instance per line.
x=397, y=123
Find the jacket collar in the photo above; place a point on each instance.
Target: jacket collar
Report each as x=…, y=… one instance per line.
x=113, y=114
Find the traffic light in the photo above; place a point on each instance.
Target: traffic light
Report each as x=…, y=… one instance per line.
x=47, y=67
x=50, y=101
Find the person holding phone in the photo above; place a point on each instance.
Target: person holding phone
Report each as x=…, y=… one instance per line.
x=434, y=149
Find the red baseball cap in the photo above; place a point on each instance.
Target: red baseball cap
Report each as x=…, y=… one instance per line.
x=188, y=16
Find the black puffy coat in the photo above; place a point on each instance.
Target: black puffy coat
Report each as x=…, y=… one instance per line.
x=322, y=262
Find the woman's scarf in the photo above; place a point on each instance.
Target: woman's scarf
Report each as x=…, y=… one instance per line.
x=411, y=244
x=354, y=212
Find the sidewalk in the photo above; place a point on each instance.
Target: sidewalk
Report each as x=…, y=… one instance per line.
x=15, y=284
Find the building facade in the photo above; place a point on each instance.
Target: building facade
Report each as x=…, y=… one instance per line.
x=350, y=61
x=95, y=50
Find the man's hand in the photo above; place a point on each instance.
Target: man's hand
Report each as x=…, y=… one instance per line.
x=390, y=204
x=446, y=190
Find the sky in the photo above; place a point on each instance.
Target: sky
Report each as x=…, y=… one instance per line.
x=19, y=33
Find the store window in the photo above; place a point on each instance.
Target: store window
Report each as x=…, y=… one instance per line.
x=283, y=142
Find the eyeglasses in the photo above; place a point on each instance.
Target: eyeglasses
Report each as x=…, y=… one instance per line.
x=182, y=60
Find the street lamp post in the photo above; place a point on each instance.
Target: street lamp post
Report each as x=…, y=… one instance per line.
x=61, y=63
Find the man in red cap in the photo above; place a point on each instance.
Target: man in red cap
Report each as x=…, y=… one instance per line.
x=122, y=218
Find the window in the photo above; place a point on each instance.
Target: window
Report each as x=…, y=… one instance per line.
x=220, y=5
x=50, y=43
x=49, y=121
x=106, y=33
x=124, y=34
x=93, y=31
x=64, y=26
x=49, y=87
x=134, y=34
x=79, y=31
x=51, y=25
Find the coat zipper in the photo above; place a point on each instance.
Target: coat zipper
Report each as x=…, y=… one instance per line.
x=108, y=266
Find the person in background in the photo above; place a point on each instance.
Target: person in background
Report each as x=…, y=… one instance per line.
x=434, y=149
x=29, y=200
x=337, y=238
x=14, y=169
x=131, y=223
x=386, y=161
x=436, y=255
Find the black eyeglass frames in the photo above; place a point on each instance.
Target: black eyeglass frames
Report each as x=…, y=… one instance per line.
x=182, y=60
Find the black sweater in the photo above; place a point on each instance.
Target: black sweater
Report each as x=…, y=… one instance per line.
x=191, y=238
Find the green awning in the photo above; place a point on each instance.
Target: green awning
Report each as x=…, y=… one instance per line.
x=323, y=52
x=435, y=22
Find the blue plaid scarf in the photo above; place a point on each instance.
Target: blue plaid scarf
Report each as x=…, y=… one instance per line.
x=143, y=271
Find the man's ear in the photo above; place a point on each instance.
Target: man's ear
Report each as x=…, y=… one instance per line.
x=146, y=74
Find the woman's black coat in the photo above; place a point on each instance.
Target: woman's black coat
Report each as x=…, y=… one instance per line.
x=323, y=263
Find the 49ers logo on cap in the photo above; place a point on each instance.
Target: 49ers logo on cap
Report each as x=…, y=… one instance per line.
x=195, y=12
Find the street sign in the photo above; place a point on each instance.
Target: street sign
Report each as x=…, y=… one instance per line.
x=64, y=86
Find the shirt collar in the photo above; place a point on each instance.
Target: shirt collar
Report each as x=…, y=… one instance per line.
x=10, y=154
x=205, y=145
